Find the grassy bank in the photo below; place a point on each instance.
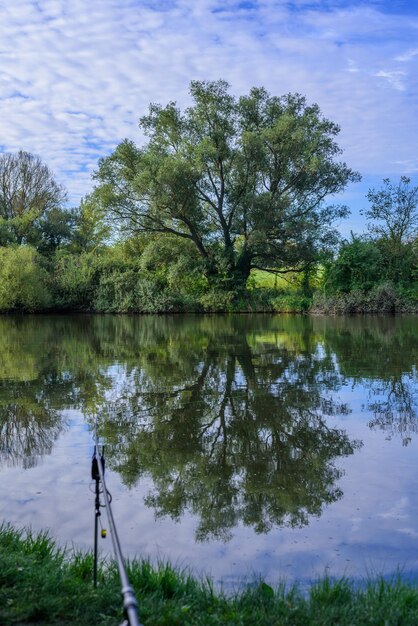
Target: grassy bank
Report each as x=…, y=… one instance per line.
x=40, y=584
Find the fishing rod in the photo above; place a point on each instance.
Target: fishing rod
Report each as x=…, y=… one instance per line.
x=130, y=605
x=97, y=505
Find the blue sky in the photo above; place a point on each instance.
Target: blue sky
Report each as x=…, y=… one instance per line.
x=76, y=76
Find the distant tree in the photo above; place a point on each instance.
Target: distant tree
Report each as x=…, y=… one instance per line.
x=28, y=191
x=243, y=179
x=394, y=211
x=394, y=220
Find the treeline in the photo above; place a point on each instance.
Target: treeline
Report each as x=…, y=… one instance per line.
x=66, y=262
x=222, y=210
x=158, y=275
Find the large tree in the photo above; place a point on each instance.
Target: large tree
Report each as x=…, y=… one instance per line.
x=244, y=179
x=28, y=193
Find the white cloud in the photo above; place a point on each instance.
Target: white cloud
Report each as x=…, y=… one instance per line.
x=396, y=78
x=75, y=76
x=408, y=55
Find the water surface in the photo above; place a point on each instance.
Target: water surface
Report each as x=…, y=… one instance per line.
x=258, y=445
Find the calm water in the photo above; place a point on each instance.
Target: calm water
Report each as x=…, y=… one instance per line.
x=237, y=446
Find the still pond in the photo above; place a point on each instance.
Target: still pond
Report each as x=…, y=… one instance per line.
x=238, y=446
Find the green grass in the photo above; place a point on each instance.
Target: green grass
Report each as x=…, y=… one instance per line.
x=41, y=584
x=260, y=279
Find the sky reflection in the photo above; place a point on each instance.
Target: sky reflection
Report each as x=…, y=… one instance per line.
x=370, y=530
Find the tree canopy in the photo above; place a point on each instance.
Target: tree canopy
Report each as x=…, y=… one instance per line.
x=244, y=179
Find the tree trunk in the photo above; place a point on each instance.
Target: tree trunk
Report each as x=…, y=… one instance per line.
x=229, y=274
x=242, y=269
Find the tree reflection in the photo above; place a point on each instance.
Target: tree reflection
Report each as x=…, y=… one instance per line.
x=27, y=432
x=394, y=406
x=227, y=414
x=45, y=368
x=378, y=354
x=235, y=432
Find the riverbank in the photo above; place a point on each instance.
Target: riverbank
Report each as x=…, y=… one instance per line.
x=41, y=584
x=380, y=302
x=138, y=295
x=383, y=299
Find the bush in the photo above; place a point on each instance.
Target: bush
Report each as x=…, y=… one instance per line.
x=131, y=291
x=291, y=303
x=359, y=266
x=152, y=297
x=217, y=301
x=116, y=292
x=382, y=298
x=75, y=279
x=23, y=280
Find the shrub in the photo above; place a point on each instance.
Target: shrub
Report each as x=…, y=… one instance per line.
x=75, y=279
x=116, y=292
x=217, y=301
x=359, y=266
x=23, y=280
x=382, y=298
x=291, y=303
x=152, y=297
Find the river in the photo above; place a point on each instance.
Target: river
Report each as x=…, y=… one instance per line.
x=236, y=446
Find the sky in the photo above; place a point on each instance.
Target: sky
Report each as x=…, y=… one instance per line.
x=76, y=75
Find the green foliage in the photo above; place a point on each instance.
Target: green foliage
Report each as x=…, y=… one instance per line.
x=7, y=232
x=242, y=180
x=217, y=301
x=394, y=211
x=23, y=280
x=130, y=277
x=54, y=229
x=45, y=232
x=153, y=298
x=382, y=298
x=115, y=291
x=175, y=262
x=363, y=263
x=359, y=265
x=291, y=303
x=75, y=279
x=91, y=231
x=393, y=219
x=400, y=260
x=127, y=292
